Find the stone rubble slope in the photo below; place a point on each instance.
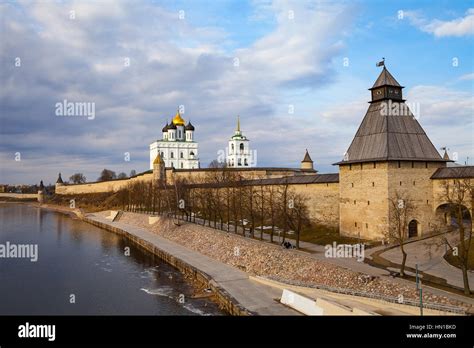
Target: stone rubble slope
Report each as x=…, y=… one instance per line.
x=263, y=259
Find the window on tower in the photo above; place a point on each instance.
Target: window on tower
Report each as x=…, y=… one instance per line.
x=232, y=147
x=245, y=162
x=241, y=147
x=181, y=155
x=172, y=154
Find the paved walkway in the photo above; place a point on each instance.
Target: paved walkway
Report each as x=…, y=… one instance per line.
x=253, y=296
x=435, y=264
x=428, y=254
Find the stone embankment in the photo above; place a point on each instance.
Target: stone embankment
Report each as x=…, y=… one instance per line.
x=263, y=259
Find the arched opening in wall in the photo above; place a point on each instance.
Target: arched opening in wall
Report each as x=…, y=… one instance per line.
x=412, y=228
x=447, y=216
x=241, y=147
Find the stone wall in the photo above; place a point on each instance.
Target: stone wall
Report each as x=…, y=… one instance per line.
x=412, y=180
x=103, y=186
x=323, y=201
x=363, y=201
x=366, y=191
x=194, y=175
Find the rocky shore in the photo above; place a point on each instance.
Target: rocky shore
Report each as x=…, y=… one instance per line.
x=263, y=259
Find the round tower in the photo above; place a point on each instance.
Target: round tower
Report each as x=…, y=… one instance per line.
x=307, y=162
x=159, y=172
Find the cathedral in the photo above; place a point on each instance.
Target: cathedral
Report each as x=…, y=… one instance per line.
x=177, y=147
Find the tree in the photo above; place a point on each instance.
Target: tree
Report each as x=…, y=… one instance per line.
x=401, y=208
x=458, y=194
x=77, y=178
x=216, y=164
x=107, y=175
x=133, y=172
x=122, y=175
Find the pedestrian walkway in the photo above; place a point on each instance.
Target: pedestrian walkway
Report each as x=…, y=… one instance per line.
x=255, y=297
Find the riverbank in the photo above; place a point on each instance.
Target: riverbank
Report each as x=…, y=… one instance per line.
x=254, y=258
x=271, y=261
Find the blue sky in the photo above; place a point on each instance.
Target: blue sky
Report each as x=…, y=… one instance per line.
x=291, y=53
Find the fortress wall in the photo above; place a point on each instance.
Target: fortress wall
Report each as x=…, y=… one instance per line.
x=103, y=186
x=363, y=200
x=412, y=180
x=200, y=175
x=323, y=201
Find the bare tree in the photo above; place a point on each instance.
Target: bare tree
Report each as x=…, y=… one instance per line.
x=401, y=208
x=77, y=178
x=458, y=194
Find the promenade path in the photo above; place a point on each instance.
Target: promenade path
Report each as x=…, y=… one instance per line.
x=428, y=254
x=255, y=297
x=424, y=252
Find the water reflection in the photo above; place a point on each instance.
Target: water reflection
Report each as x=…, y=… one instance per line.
x=81, y=259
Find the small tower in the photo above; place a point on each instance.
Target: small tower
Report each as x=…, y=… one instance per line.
x=307, y=162
x=41, y=192
x=59, y=183
x=159, y=172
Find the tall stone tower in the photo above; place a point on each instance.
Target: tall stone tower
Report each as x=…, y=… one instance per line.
x=390, y=156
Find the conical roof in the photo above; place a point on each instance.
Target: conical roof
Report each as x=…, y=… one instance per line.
x=60, y=180
x=385, y=79
x=307, y=158
x=389, y=131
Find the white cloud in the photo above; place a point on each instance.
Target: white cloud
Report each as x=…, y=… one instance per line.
x=171, y=62
x=463, y=26
x=467, y=77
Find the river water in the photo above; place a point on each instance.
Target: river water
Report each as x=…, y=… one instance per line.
x=84, y=270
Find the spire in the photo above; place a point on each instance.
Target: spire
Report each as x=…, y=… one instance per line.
x=445, y=156
x=385, y=79
x=307, y=157
x=60, y=180
x=307, y=162
x=238, y=123
x=41, y=185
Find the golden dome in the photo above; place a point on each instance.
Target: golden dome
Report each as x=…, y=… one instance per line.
x=157, y=159
x=177, y=120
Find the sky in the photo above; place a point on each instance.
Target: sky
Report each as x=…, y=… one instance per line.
x=297, y=73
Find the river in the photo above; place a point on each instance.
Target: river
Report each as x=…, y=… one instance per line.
x=84, y=270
